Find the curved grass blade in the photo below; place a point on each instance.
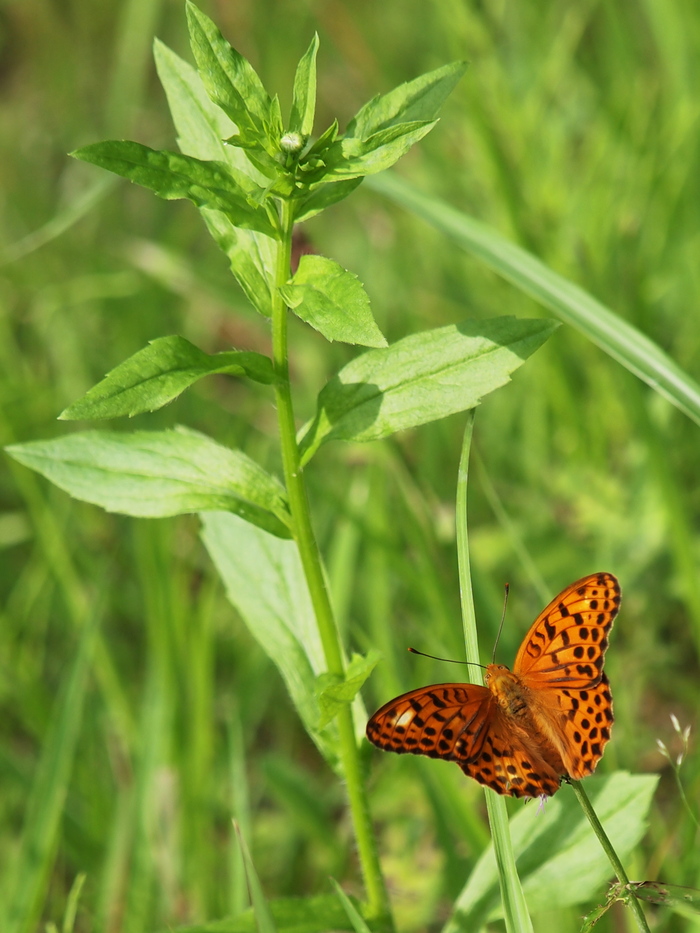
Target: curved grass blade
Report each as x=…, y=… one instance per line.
x=629, y=346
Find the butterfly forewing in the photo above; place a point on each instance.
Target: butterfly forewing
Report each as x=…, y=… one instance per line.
x=567, y=641
x=442, y=721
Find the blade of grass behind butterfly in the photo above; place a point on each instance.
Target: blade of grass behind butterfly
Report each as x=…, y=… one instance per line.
x=514, y=906
x=629, y=346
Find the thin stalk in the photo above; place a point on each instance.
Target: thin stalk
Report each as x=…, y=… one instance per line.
x=378, y=901
x=515, y=910
x=617, y=865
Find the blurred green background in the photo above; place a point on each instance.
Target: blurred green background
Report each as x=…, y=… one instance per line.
x=575, y=133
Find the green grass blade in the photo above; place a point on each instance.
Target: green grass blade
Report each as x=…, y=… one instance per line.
x=571, y=304
x=514, y=906
x=45, y=806
x=261, y=909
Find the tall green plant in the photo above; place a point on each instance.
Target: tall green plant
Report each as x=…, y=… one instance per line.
x=253, y=178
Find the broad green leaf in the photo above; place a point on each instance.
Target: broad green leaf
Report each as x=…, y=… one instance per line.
x=351, y=157
x=154, y=474
x=172, y=175
x=333, y=301
x=229, y=79
x=304, y=100
x=559, y=858
x=422, y=378
x=159, y=373
x=417, y=100
x=333, y=694
x=317, y=914
x=568, y=301
x=35, y=857
x=264, y=580
x=324, y=196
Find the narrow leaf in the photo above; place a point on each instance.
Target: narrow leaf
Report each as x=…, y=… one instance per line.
x=422, y=378
x=558, y=856
x=333, y=695
x=304, y=99
x=201, y=125
x=172, y=176
x=354, y=915
x=324, y=196
x=159, y=373
x=229, y=79
x=261, y=910
x=333, y=301
x=351, y=157
x=417, y=100
x=44, y=811
x=154, y=474
x=571, y=304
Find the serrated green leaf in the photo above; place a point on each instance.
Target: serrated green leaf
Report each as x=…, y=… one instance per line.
x=421, y=378
x=323, y=196
x=417, y=100
x=558, y=856
x=304, y=99
x=154, y=474
x=332, y=695
x=172, y=175
x=158, y=374
x=333, y=301
x=351, y=157
x=229, y=79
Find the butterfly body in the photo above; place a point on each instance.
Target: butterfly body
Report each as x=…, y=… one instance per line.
x=548, y=718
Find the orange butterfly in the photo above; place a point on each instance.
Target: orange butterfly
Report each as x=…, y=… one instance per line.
x=548, y=718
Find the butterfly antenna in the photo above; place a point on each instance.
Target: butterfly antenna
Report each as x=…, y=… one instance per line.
x=503, y=618
x=449, y=660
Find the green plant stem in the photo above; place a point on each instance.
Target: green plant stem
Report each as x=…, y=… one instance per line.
x=618, y=868
x=515, y=910
x=378, y=901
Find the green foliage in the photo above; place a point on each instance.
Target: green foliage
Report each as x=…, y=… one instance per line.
x=573, y=143
x=558, y=856
x=421, y=378
x=154, y=474
x=333, y=301
x=158, y=374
